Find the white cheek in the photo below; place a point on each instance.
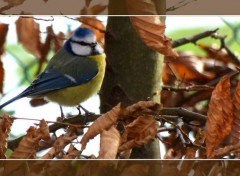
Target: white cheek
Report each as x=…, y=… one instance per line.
x=80, y=50
x=99, y=48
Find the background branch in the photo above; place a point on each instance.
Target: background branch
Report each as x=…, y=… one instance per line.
x=193, y=39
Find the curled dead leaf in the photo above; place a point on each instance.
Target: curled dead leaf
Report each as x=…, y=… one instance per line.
x=72, y=153
x=151, y=30
x=58, y=146
x=58, y=41
x=5, y=125
x=44, y=49
x=216, y=54
x=104, y=122
x=128, y=115
x=28, y=34
x=186, y=67
x=139, y=132
x=3, y=35
x=2, y=73
x=235, y=133
x=29, y=145
x=220, y=116
x=109, y=143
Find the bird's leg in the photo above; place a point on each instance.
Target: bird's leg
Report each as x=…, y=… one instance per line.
x=62, y=115
x=87, y=113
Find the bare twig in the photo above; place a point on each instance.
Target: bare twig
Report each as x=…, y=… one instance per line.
x=183, y=135
x=187, y=88
x=235, y=59
x=193, y=39
x=180, y=4
x=184, y=113
x=171, y=112
x=39, y=19
x=84, y=22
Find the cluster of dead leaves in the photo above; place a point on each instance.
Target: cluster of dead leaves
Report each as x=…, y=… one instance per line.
x=223, y=111
x=138, y=128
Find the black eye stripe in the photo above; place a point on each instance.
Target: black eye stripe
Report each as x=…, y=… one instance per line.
x=84, y=43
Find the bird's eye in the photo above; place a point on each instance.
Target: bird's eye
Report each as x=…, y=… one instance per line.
x=92, y=45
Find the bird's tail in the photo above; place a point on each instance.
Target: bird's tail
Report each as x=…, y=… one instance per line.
x=21, y=95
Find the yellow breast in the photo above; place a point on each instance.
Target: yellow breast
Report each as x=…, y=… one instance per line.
x=75, y=95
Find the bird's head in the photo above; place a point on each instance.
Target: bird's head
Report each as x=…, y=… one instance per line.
x=83, y=42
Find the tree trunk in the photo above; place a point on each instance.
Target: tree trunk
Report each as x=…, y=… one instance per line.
x=133, y=73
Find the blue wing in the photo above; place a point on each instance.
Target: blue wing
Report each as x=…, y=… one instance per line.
x=77, y=72
x=53, y=80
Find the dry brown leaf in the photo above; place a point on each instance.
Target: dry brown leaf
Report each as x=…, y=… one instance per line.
x=151, y=30
x=119, y=113
x=58, y=41
x=72, y=153
x=235, y=133
x=171, y=154
x=141, y=7
x=2, y=73
x=185, y=67
x=220, y=55
x=109, y=143
x=3, y=35
x=95, y=25
x=5, y=125
x=104, y=122
x=29, y=145
x=142, y=107
x=38, y=102
x=190, y=153
x=45, y=48
x=139, y=132
x=125, y=154
x=28, y=35
x=200, y=140
x=220, y=116
x=58, y=146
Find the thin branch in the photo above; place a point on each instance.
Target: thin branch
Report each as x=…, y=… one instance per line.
x=163, y=129
x=56, y=126
x=193, y=39
x=180, y=4
x=84, y=22
x=235, y=59
x=184, y=113
x=187, y=88
x=39, y=19
x=183, y=135
x=171, y=112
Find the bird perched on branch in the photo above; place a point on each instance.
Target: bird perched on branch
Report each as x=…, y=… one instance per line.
x=73, y=74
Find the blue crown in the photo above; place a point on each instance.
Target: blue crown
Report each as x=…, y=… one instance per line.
x=83, y=32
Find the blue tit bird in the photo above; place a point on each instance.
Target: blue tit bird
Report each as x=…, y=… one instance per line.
x=73, y=74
